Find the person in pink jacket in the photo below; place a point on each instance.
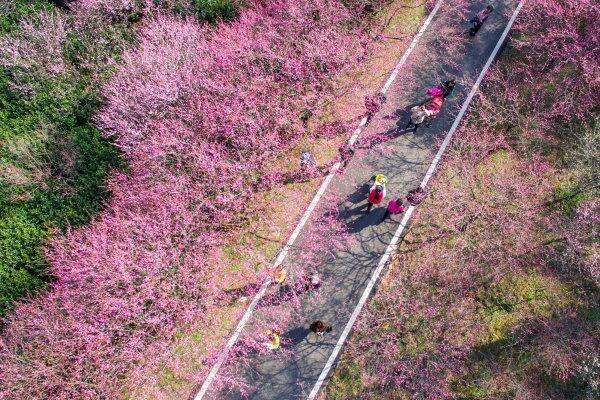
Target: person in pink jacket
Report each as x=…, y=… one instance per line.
x=395, y=206
x=432, y=106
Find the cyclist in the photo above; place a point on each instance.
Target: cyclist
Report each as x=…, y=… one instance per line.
x=429, y=109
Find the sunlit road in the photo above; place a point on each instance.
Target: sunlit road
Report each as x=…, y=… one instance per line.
x=404, y=159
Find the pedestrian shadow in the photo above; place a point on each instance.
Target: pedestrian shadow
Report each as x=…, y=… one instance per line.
x=296, y=335
x=402, y=117
x=278, y=294
x=372, y=218
x=356, y=216
x=354, y=201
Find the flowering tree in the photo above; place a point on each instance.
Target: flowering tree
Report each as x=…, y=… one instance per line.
x=493, y=289
x=198, y=113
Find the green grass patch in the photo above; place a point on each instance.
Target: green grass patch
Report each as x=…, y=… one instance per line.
x=12, y=11
x=213, y=11
x=569, y=197
x=171, y=381
x=55, y=164
x=53, y=160
x=407, y=21
x=469, y=391
x=498, y=161
x=520, y=296
x=346, y=383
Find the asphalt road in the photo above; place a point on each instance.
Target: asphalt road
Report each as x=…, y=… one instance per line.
x=404, y=159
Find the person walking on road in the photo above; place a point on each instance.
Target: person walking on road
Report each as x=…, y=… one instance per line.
x=273, y=340
x=479, y=19
x=395, y=206
x=377, y=192
x=320, y=328
x=431, y=107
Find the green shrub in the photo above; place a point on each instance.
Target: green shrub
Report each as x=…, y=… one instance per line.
x=569, y=195
x=53, y=161
x=22, y=262
x=62, y=185
x=12, y=11
x=213, y=11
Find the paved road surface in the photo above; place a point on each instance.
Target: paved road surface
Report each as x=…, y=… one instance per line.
x=346, y=274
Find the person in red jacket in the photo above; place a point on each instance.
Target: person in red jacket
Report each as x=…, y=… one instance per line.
x=395, y=206
x=377, y=191
x=430, y=107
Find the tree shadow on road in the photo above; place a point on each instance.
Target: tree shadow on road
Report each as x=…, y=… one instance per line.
x=372, y=218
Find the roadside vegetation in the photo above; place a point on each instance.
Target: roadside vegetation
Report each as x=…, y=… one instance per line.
x=142, y=140
x=54, y=161
x=494, y=293
x=128, y=163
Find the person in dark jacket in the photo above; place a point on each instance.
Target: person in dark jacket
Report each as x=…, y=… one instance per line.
x=319, y=327
x=479, y=19
x=448, y=87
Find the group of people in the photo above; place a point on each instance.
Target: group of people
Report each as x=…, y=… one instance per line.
x=432, y=106
x=378, y=189
x=318, y=327
x=377, y=193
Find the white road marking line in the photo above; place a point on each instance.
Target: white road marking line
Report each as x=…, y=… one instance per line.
x=283, y=253
x=413, y=44
x=252, y=306
x=394, y=242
